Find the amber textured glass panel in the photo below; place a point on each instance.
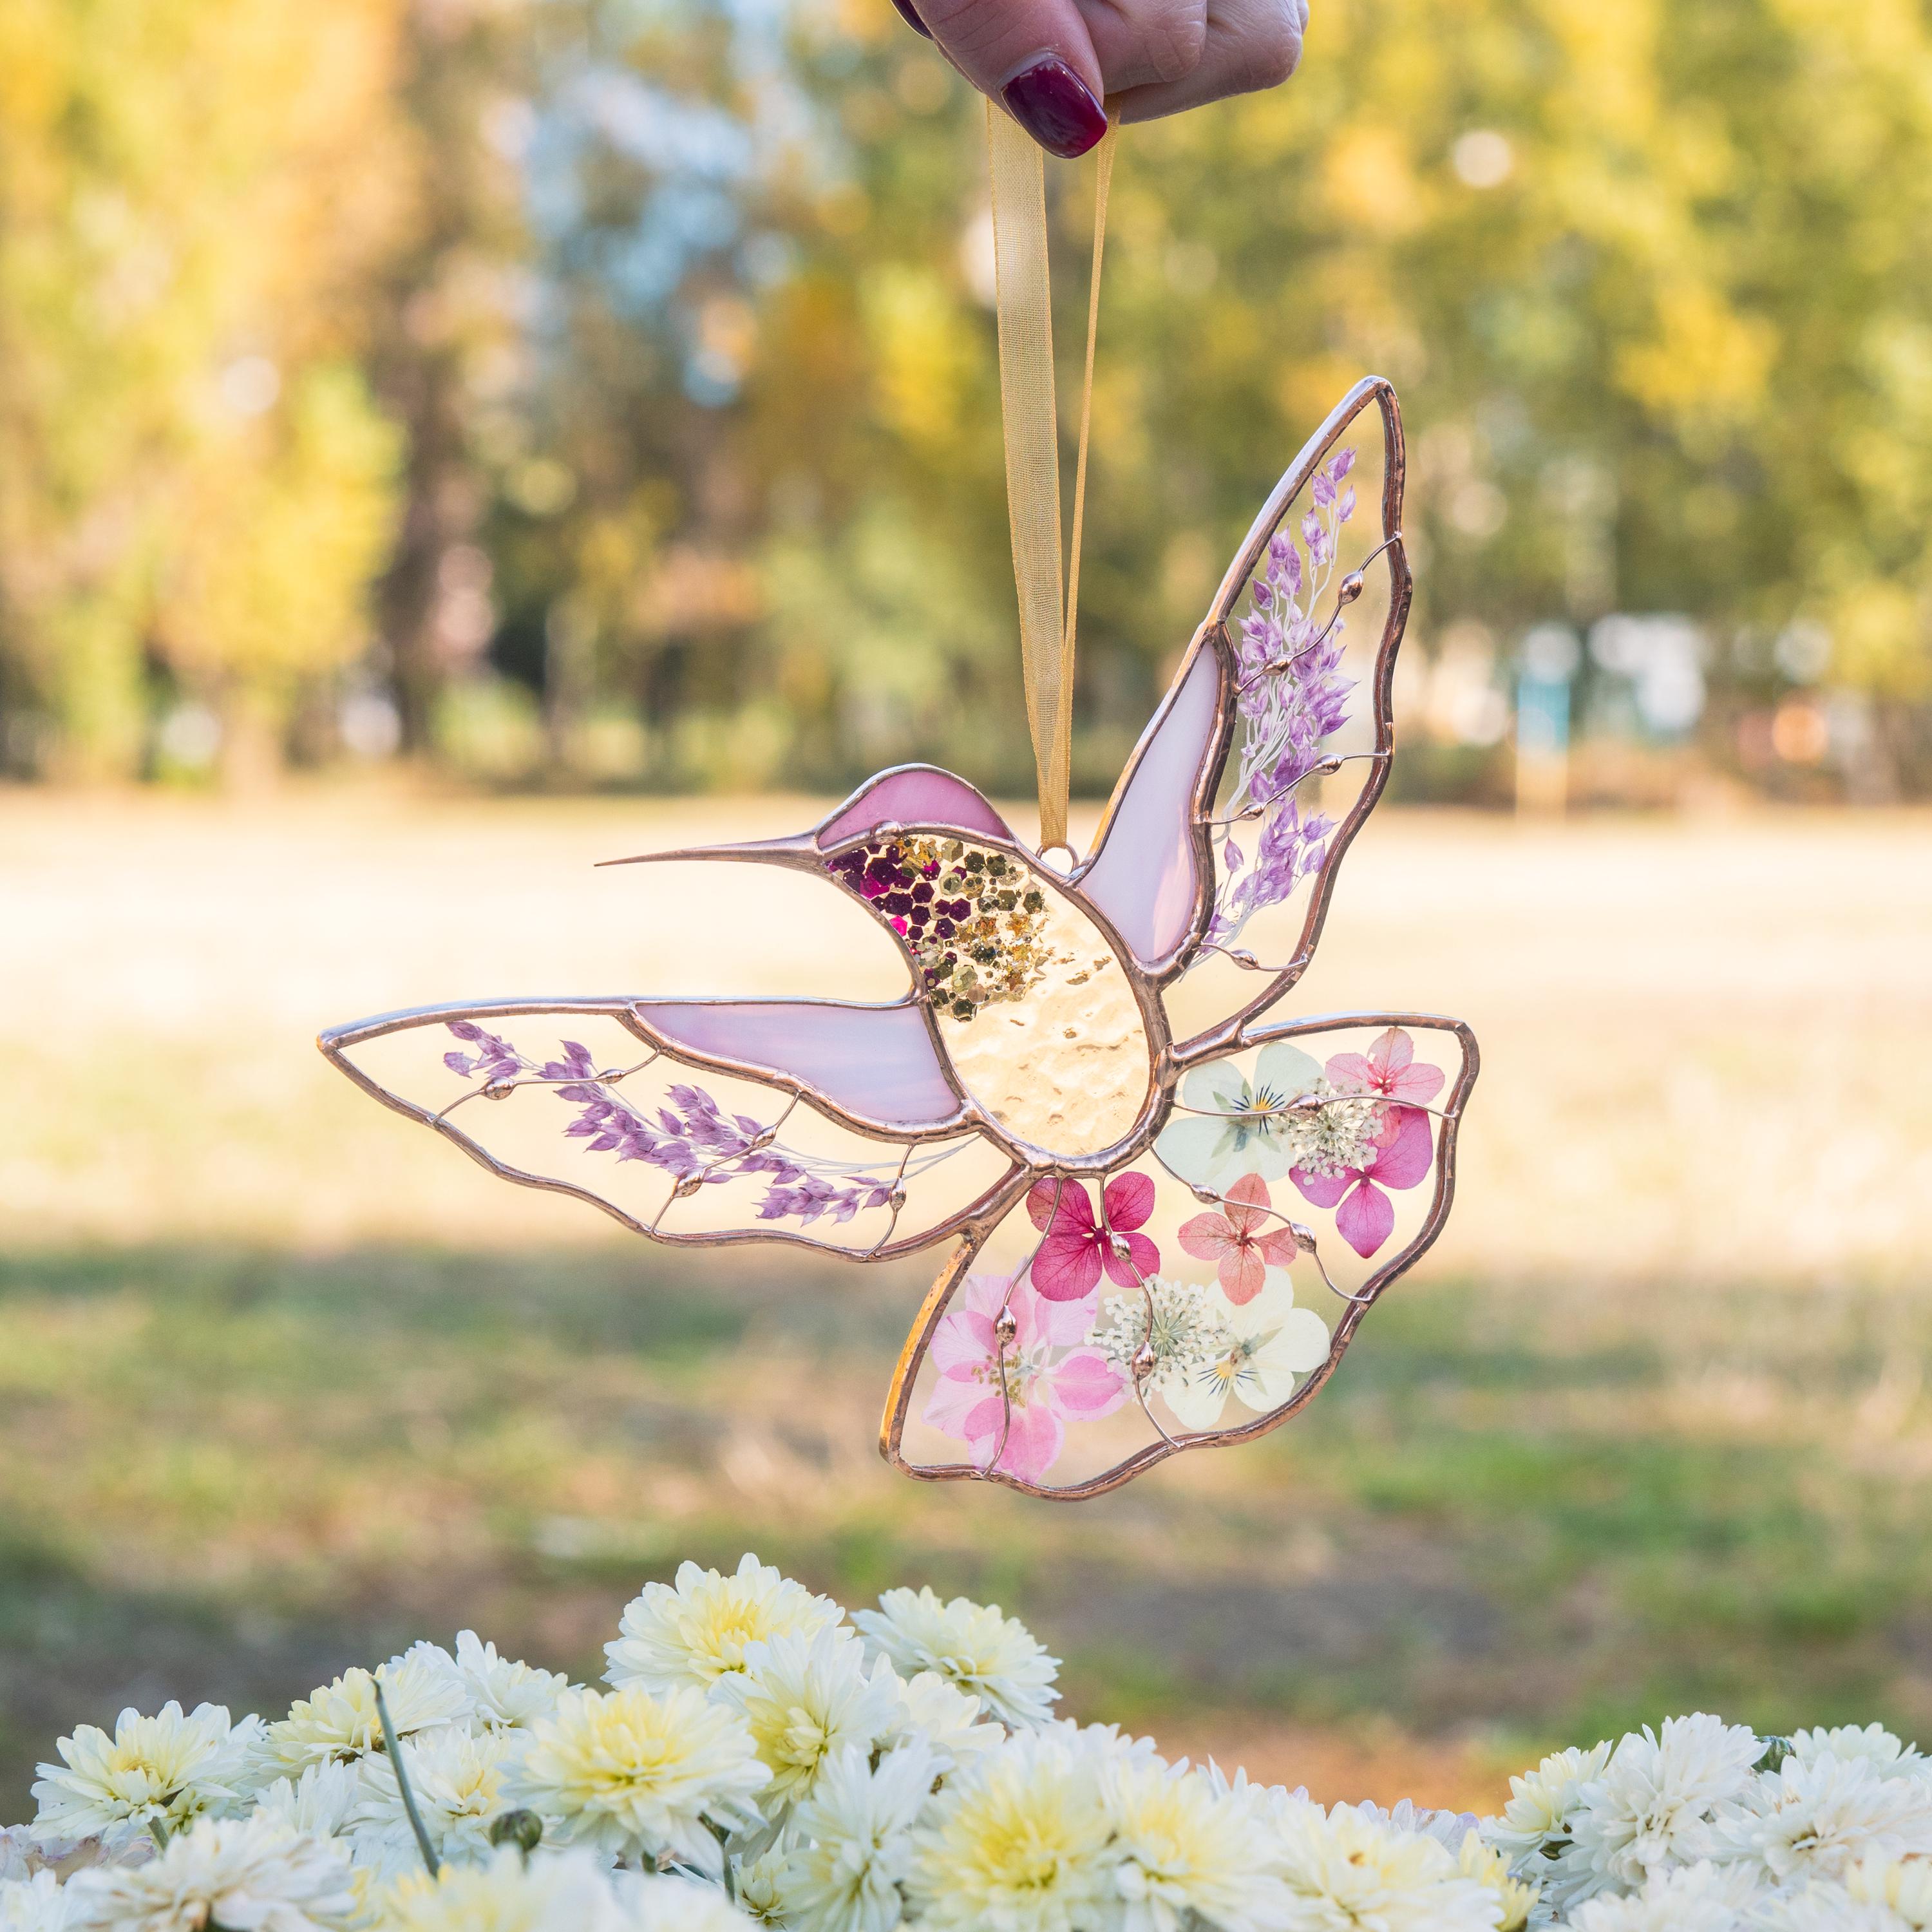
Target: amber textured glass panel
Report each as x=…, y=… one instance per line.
x=1065, y=1065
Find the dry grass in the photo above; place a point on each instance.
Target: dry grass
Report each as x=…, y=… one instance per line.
x=282, y=1379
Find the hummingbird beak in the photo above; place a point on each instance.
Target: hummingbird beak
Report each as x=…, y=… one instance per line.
x=797, y=850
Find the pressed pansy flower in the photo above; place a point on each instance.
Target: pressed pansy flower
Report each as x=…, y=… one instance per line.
x=1237, y=1126
x=970, y=1400
x=1270, y=1342
x=1401, y=1153
x=1077, y=1248
x=1389, y=1068
x=1243, y=1241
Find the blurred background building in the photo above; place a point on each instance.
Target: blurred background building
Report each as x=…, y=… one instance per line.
x=602, y=393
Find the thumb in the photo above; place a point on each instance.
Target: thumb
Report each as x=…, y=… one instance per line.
x=1035, y=57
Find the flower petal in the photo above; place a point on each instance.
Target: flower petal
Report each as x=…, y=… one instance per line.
x=1204, y=1152
x=1409, y=1153
x=962, y=1342
x=1074, y=1212
x=952, y=1403
x=1243, y=1273
x=1085, y=1384
x=1218, y=1087
x=1353, y=1073
x=1058, y=1323
x=1324, y=1189
x=1067, y=1266
x=1141, y=1254
x=1367, y=1219
x=1207, y=1236
x=1129, y=1201
x=1198, y=1402
x=1032, y=1443
x=1283, y=1068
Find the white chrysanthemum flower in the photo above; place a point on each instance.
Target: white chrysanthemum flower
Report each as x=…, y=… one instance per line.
x=340, y=1721
x=21, y=1856
x=695, y=1631
x=249, y=1874
x=566, y=1891
x=1823, y=1905
x=457, y=1779
x=506, y=1693
x=1813, y=1818
x=1887, y=1754
x=804, y=1700
x=1902, y=1886
x=40, y=1904
x=323, y=1802
x=1183, y=1849
x=1274, y=1805
x=1347, y=1872
x=1518, y=1896
x=1535, y=1822
x=933, y=1711
x=168, y=1768
x=857, y=1845
x=1700, y=1898
x=673, y=1904
x=758, y=1883
x=1019, y=1841
x=638, y=1776
x=993, y=1657
x=1448, y=1829
x=1651, y=1806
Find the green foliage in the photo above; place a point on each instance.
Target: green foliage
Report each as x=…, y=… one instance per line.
x=721, y=405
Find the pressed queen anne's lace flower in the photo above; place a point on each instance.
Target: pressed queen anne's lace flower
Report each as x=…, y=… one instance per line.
x=1184, y=1324
x=988, y=1655
x=693, y=1630
x=167, y=1769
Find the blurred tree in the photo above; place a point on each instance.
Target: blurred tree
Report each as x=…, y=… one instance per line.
x=190, y=192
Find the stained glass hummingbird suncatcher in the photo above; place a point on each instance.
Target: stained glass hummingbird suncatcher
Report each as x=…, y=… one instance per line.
x=1168, y=1214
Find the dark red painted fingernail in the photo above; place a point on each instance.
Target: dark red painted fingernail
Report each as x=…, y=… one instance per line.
x=911, y=19
x=1055, y=106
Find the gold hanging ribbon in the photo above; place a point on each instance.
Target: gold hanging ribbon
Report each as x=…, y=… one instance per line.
x=1031, y=426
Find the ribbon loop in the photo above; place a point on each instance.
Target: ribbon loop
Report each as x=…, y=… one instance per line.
x=1030, y=424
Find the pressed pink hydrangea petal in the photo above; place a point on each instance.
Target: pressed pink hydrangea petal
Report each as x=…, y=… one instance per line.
x=1207, y=1236
x=1067, y=1266
x=1323, y=1189
x=1277, y=1250
x=1074, y=1213
x=1408, y=1154
x=1243, y=1274
x=1367, y=1219
x=1142, y=1258
x=1129, y=1199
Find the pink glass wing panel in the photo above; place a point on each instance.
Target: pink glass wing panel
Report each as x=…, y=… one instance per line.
x=877, y=1062
x=918, y=795
x=1144, y=878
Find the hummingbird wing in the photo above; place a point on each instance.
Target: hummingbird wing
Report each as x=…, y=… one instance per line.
x=827, y=1123
x=1082, y=1332
x=1220, y=846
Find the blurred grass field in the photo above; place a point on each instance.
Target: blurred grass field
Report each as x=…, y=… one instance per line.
x=284, y=1381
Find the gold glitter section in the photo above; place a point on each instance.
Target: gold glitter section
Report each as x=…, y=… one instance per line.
x=1064, y=1064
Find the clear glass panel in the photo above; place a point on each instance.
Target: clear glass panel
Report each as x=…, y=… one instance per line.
x=1309, y=632
x=578, y=1100
x=1196, y=1293
x=1035, y=1009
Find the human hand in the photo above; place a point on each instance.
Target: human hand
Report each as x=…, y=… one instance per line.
x=1052, y=62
